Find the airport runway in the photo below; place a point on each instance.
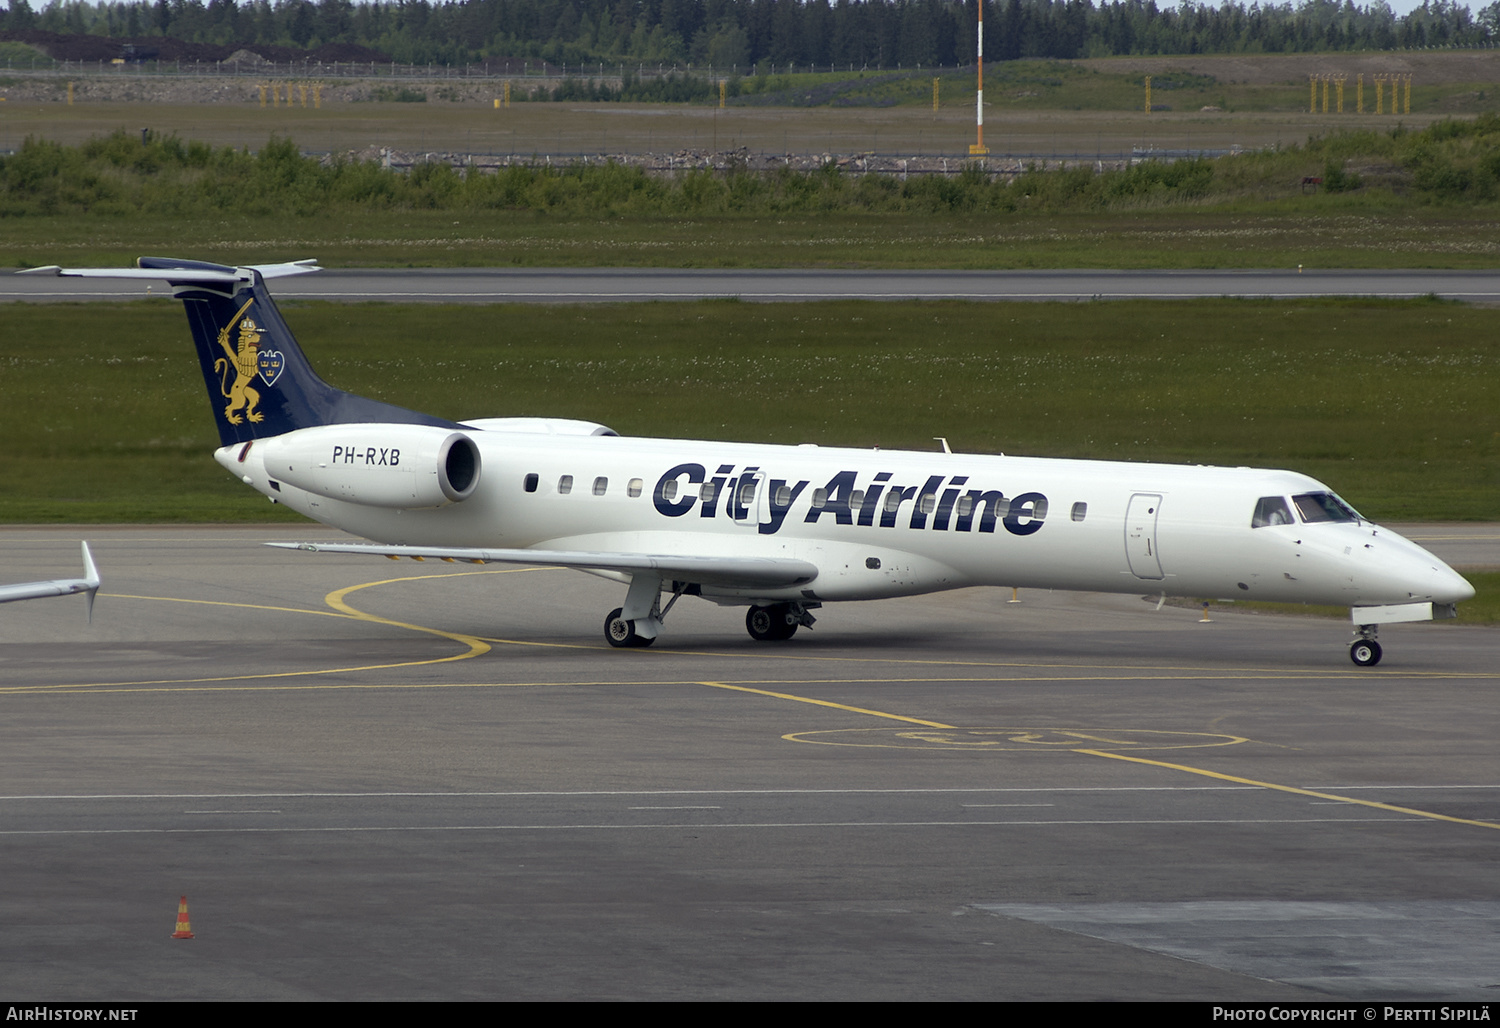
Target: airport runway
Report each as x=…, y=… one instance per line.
x=616, y=285
x=381, y=780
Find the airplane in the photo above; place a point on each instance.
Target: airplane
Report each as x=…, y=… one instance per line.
x=88, y=585
x=779, y=530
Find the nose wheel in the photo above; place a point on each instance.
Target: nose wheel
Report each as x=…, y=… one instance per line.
x=1366, y=651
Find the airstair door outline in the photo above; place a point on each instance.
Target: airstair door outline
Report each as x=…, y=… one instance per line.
x=750, y=501
x=1140, y=536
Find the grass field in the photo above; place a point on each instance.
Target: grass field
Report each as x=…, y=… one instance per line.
x=566, y=129
x=1393, y=404
x=1324, y=232
x=1411, y=199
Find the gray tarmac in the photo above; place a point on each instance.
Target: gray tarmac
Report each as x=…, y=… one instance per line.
x=379, y=780
x=616, y=285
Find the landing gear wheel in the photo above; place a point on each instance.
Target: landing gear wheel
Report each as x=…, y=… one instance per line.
x=771, y=624
x=621, y=633
x=1365, y=652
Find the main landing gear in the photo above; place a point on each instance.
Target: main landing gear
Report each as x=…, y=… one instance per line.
x=638, y=623
x=622, y=633
x=777, y=622
x=1366, y=651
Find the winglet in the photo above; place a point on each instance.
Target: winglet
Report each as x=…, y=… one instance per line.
x=90, y=581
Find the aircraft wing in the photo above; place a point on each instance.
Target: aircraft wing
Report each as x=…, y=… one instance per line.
x=732, y=572
x=58, y=586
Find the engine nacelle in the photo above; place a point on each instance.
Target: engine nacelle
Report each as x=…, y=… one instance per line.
x=404, y=466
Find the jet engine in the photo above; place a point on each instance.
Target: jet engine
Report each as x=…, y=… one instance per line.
x=402, y=466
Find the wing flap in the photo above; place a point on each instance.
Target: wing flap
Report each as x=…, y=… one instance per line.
x=731, y=572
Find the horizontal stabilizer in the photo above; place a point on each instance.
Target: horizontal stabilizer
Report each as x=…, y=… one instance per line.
x=165, y=269
x=259, y=382
x=730, y=572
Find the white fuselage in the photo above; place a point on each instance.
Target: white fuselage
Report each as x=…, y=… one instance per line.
x=879, y=523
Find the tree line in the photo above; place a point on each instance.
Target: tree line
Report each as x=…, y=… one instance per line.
x=747, y=35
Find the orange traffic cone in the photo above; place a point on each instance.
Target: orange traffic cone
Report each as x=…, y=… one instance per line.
x=184, y=929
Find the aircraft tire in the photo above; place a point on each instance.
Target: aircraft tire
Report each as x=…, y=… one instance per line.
x=770, y=624
x=1365, y=652
x=621, y=633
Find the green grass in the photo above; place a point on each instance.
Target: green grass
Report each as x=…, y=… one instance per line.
x=1484, y=608
x=21, y=56
x=1392, y=404
x=1323, y=232
x=1413, y=199
x=1073, y=86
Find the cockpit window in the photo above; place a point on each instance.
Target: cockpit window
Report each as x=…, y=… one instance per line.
x=1271, y=510
x=1318, y=507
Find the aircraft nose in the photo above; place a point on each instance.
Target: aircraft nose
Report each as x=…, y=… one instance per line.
x=1450, y=586
x=1418, y=574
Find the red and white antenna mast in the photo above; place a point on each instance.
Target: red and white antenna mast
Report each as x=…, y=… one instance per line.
x=978, y=149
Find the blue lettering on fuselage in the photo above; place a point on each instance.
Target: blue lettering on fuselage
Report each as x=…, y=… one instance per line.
x=940, y=497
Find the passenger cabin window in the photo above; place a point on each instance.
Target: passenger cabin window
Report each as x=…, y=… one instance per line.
x=1271, y=510
x=709, y=492
x=928, y=502
x=531, y=482
x=893, y=499
x=1080, y=511
x=634, y=487
x=820, y=499
x=669, y=490
x=565, y=485
x=1318, y=507
x=601, y=485
x=856, y=499
x=784, y=496
x=965, y=506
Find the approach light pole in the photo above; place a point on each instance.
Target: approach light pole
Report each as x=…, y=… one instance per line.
x=979, y=149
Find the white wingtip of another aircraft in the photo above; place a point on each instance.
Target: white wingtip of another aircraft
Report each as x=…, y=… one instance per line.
x=88, y=585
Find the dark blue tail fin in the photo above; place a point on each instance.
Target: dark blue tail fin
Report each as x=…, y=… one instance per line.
x=259, y=383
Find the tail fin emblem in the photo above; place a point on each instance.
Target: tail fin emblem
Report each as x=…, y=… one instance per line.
x=246, y=364
x=270, y=362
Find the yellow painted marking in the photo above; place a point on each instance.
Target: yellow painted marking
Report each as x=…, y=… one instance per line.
x=1146, y=672
x=1293, y=789
x=1033, y=740
x=1142, y=760
x=744, y=684
x=224, y=603
x=1153, y=672
x=474, y=646
x=825, y=703
x=477, y=646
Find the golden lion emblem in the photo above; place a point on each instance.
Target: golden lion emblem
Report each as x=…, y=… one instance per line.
x=241, y=395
